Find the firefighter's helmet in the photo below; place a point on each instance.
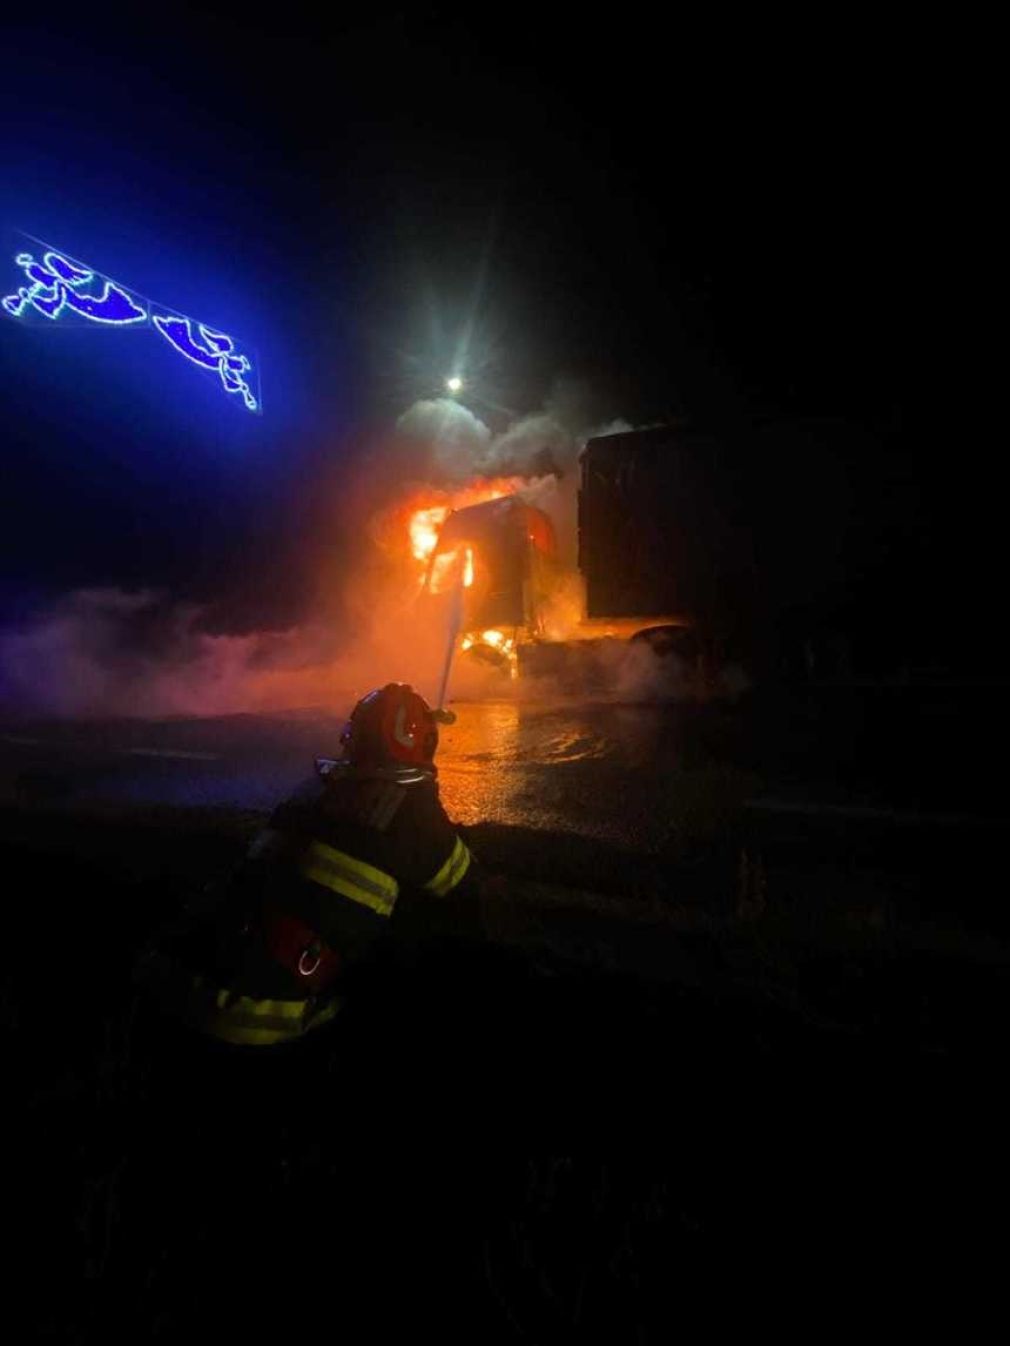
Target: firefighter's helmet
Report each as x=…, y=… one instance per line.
x=391, y=726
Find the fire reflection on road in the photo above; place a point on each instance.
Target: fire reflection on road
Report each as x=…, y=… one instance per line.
x=561, y=768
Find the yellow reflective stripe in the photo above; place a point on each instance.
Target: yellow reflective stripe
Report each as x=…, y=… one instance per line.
x=350, y=877
x=249, y=1033
x=245, y=1020
x=281, y=1009
x=324, y=1013
x=248, y=1022
x=451, y=872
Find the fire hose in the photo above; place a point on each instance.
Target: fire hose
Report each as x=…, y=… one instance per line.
x=442, y=715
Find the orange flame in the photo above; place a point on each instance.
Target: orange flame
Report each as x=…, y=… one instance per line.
x=445, y=571
x=423, y=527
x=425, y=519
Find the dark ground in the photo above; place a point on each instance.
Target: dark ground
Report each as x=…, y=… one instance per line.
x=674, y=1089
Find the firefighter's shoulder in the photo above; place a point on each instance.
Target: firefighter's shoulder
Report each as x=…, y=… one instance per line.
x=432, y=855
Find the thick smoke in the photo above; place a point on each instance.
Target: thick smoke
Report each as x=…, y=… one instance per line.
x=109, y=652
x=99, y=652
x=457, y=440
x=460, y=446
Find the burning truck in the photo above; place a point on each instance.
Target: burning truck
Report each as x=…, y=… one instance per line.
x=715, y=558
x=638, y=590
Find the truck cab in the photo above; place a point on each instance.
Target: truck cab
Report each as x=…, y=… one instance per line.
x=502, y=554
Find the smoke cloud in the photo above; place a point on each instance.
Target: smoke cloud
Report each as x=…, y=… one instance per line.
x=108, y=652
x=457, y=445
x=459, y=440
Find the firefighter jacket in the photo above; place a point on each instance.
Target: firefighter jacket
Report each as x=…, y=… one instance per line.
x=267, y=958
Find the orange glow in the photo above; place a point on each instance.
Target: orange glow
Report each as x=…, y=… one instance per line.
x=428, y=511
x=423, y=526
x=498, y=641
x=445, y=572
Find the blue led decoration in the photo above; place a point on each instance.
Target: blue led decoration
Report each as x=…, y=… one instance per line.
x=56, y=285
x=218, y=353
x=59, y=286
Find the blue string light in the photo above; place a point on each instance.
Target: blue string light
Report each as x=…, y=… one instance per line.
x=55, y=286
x=59, y=285
x=217, y=354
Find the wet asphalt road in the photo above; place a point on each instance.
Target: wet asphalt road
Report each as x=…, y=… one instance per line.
x=590, y=770
x=868, y=799
x=621, y=773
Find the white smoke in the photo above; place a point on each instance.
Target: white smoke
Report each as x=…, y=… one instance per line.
x=460, y=439
x=546, y=442
x=109, y=652
x=534, y=442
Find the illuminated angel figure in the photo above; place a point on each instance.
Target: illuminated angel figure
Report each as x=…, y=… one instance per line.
x=213, y=351
x=56, y=285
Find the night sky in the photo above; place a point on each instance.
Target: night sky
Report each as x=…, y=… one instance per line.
x=700, y=224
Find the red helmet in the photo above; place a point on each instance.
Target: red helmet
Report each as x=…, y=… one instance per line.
x=392, y=725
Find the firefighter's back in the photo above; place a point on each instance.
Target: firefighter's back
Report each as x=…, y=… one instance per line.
x=274, y=952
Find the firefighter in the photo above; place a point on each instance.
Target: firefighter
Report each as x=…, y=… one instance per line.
x=271, y=956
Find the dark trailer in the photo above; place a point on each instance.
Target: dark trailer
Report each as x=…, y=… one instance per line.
x=760, y=535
